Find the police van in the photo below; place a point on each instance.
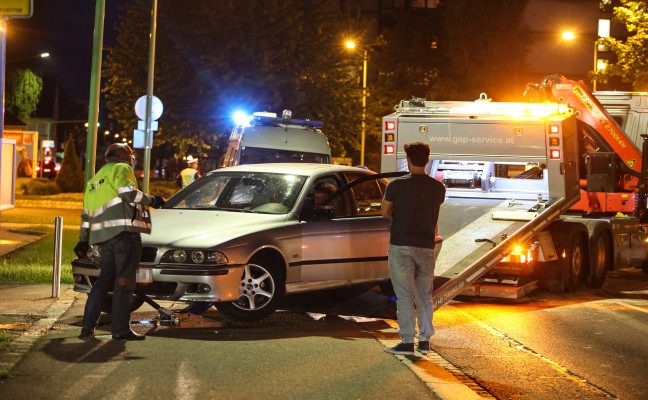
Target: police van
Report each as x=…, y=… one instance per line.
x=265, y=138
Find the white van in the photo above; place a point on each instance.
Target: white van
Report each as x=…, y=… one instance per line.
x=264, y=138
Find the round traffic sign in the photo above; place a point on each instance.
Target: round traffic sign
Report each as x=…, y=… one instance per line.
x=156, y=108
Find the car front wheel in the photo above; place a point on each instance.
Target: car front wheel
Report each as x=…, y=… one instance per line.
x=262, y=288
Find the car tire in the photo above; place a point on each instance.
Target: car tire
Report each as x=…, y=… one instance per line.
x=106, y=305
x=262, y=289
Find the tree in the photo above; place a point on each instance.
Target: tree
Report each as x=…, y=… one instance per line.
x=484, y=45
x=70, y=177
x=632, y=54
x=23, y=93
x=218, y=56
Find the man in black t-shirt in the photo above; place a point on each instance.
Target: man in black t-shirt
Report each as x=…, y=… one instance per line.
x=412, y=202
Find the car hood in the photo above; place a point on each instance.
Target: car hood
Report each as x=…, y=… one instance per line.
x=205, y=229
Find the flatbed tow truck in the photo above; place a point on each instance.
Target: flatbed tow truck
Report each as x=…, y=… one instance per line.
x=546, y=193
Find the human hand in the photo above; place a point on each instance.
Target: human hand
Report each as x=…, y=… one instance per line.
x=158, y=201
x=81, y=249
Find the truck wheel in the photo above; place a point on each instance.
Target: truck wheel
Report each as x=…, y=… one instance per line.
x=600, y=259
x=575, y=260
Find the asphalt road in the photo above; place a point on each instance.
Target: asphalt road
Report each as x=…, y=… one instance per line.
x=290, y=355
x=584, y=345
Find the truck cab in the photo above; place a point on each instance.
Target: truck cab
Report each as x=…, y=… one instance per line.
x=265, y=138
x=629, y=110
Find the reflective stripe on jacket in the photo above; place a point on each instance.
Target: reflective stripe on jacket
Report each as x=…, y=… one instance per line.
x=112, y=204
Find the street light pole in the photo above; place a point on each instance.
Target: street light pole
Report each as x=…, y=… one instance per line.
x=364, y=106
x=596, y=43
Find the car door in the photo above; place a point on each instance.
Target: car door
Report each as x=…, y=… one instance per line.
x=348, y=245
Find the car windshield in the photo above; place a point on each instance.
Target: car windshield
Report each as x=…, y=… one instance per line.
x=241, y=192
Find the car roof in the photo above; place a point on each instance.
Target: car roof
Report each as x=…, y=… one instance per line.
x=293, y=168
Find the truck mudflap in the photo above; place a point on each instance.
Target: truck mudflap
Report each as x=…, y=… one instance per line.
x=457, y=284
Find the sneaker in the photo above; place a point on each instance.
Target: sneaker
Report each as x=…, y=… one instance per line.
x=406, y=349
x=423, y=347
x=86, y=333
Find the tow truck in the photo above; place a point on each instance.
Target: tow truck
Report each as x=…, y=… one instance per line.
x=548, y=192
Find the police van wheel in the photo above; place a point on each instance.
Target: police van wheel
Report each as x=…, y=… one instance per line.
x=106, y=305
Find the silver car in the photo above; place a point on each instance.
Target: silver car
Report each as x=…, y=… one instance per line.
x=243, y=237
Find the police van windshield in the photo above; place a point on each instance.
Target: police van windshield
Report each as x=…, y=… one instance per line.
x=256, y=155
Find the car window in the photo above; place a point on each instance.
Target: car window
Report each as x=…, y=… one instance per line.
x=367, y=196
x=323, y=193
x=241, y=191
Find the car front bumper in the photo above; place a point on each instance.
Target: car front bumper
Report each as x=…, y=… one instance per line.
x=165, y=282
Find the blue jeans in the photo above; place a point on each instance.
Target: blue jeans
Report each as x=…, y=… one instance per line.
x=412, y=275
x=120, y=257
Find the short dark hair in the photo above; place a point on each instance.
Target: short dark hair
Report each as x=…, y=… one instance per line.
x=117, y=149
x=418, y=153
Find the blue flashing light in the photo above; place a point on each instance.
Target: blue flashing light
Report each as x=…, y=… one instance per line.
x=241, y=118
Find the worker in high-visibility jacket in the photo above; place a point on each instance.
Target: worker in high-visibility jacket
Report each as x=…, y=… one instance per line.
x=113, y=218
x=189, y=174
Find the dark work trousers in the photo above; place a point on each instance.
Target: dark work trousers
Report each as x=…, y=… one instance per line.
x=120, y=257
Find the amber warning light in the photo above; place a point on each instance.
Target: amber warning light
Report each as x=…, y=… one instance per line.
x=554, y=154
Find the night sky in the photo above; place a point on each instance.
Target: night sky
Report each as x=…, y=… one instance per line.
x=65, y=29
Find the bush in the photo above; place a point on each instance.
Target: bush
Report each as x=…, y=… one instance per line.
x=42, y=186
x=70, y=177
x=165, y=189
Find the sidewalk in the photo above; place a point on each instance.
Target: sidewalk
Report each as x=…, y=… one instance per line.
x=12, y=237
x=27, y=312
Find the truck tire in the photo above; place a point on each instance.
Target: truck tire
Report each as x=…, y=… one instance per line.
x=575, y=256
x=566, y=273
x=600, y=258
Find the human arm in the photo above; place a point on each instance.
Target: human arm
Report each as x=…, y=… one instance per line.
x=387, y=209
x=127, y=188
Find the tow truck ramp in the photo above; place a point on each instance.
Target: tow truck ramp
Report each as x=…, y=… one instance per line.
x=461, y=280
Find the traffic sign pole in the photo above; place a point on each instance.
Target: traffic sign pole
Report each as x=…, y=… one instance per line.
x=148, y=137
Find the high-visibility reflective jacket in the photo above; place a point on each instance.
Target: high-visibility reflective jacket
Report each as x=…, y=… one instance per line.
x=189, y=175
x=112, y=204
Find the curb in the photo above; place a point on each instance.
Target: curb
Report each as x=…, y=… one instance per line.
x=22, y=344
x=444, y=379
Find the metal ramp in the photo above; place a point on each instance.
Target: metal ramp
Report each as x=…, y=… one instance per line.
x=461, y=278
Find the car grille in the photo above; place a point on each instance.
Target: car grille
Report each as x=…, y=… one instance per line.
x=148, y=254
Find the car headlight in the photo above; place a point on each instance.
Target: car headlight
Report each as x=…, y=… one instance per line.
x=182, y=256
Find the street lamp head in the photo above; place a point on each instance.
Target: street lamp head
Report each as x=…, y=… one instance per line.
x=44, y=55
x=568, y=35
x=350, y=44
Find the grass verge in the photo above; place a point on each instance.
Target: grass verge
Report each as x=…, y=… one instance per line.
x=34, y=263
x=5, y=339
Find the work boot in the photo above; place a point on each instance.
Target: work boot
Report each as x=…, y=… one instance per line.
x=129, y=336
x=86, y=333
